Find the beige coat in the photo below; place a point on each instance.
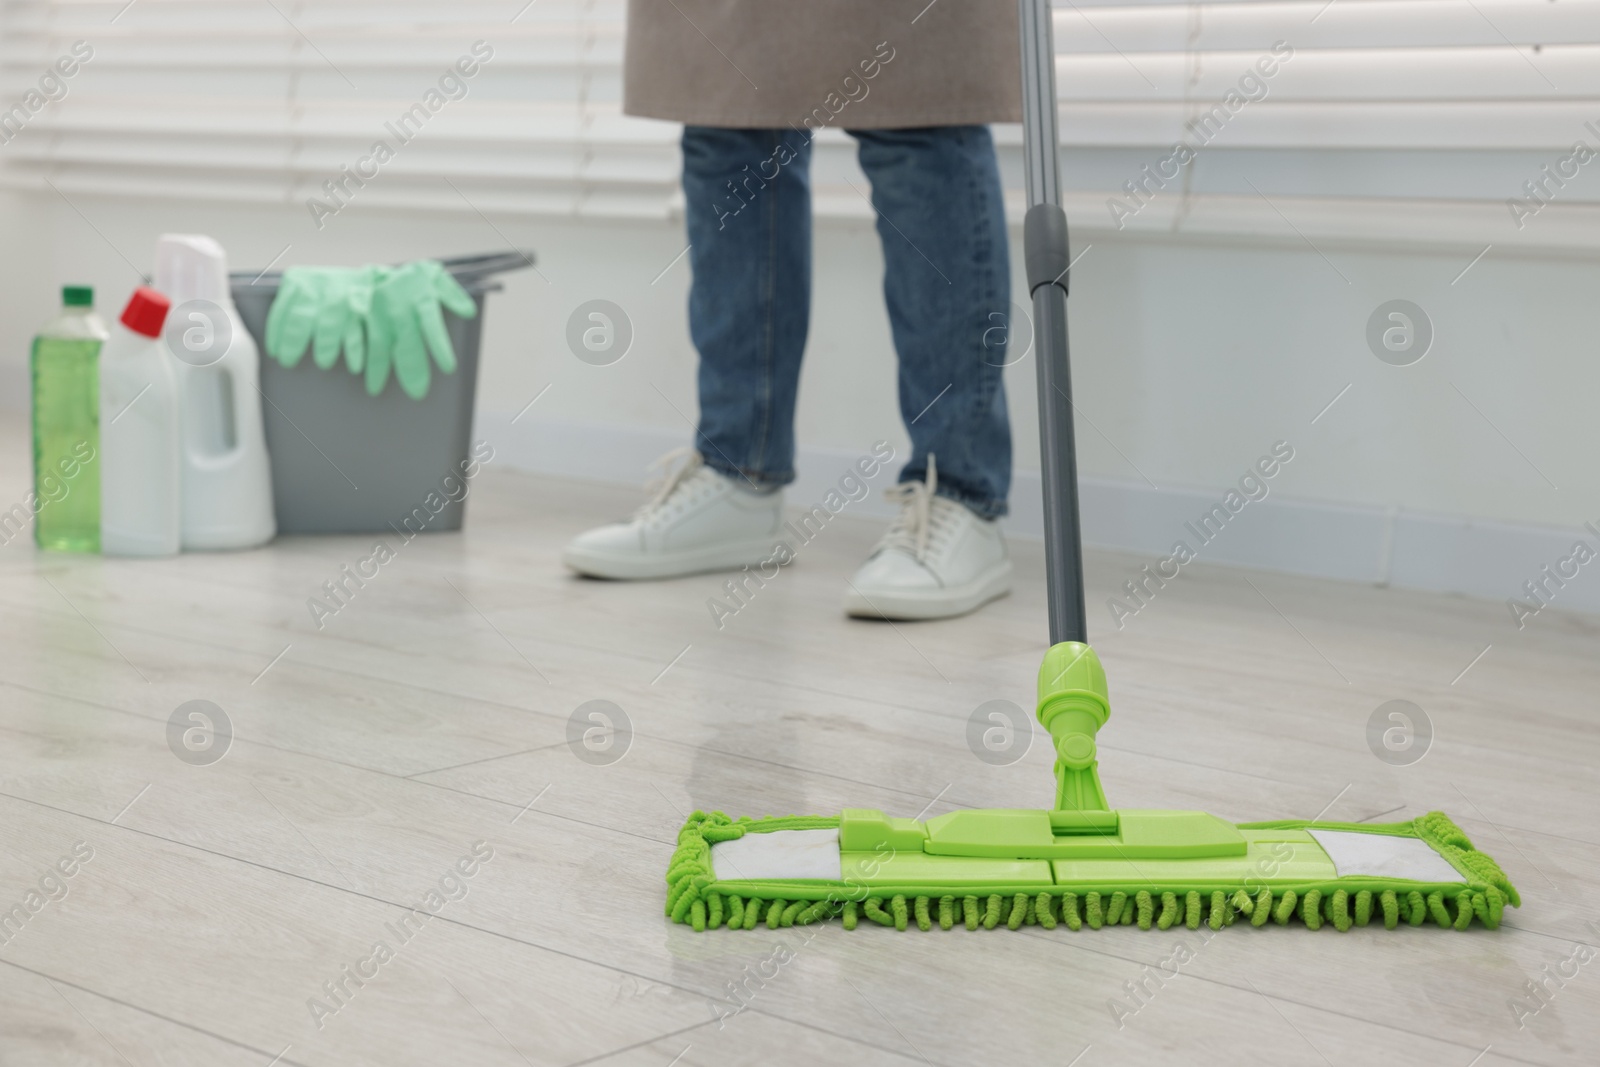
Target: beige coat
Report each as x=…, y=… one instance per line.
x=851, y=64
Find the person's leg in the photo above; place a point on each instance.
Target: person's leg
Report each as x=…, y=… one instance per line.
x=748, y=202
x=947, y=282
x=747, y=196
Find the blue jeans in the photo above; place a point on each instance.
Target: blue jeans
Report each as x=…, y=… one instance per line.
x=947, y=283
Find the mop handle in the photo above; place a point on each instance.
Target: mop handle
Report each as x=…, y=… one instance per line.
x=1047, y=256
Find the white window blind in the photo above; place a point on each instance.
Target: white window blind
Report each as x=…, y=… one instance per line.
x=269, y=99
x=1409, y=120
x=1398, y=120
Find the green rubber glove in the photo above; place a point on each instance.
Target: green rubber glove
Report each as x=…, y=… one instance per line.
x=326, y=309
x=406, y=324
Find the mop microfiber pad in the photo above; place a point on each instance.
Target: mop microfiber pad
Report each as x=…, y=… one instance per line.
x=1079, y=864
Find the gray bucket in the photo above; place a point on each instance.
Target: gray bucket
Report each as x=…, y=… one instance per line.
x=345, y=462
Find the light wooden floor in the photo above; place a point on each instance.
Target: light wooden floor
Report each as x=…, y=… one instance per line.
x=432, y=711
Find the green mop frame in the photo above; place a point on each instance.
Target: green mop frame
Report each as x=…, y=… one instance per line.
x=1080, y=863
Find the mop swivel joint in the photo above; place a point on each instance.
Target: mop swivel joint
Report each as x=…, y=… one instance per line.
x=1073, y=705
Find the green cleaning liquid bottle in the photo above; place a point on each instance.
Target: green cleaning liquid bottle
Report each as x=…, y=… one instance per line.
x=66, y=426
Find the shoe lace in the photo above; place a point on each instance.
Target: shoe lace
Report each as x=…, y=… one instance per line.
x=918, y=521
x=675, y=476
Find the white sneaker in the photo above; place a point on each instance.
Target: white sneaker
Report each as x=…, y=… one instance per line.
x=938, y=559
x=698, y=521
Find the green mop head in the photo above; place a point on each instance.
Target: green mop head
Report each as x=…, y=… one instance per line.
x=1081, y=863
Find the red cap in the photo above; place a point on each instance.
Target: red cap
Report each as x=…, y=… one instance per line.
x=146, y=312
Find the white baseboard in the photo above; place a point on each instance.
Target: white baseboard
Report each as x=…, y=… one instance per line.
x=1345, y=542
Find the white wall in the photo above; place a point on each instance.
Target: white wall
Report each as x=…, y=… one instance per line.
x=1193, y=356
x=28, y=292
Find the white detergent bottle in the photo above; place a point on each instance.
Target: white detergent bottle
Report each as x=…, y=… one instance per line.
x=140, y=510
x=227, y=477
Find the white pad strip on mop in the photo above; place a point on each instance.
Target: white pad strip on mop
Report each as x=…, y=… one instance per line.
x=778, y=854
x=1385, y=856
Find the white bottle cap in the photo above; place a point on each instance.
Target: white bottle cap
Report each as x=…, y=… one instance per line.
x=192, y=267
